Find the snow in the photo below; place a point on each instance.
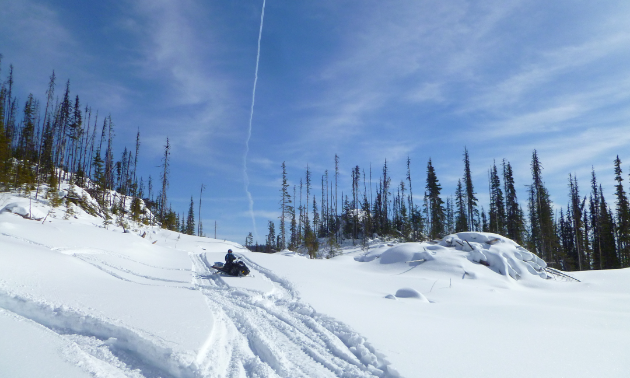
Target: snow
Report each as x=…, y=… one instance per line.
x=81, y=300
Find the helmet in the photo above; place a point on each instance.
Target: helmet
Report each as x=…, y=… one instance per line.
x=229, y=251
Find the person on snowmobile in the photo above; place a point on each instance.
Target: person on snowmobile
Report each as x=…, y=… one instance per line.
x=229, y=261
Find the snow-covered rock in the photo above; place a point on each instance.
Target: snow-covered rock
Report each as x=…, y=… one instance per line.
x=22, y=209
x=500, y=254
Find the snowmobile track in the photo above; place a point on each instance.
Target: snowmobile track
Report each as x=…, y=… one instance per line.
x=276, y=335
x=107, y=348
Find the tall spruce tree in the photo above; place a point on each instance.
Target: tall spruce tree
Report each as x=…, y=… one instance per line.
x=471, y=200
x=435, y=205
x=164, y=176
x=271, y=238
x=579, y=232
x=496, y=215
x=190, y=219
x=461, y=215
x=595, y=223
x=285, y=205
x=514, y=220
x=608, y=250
x=623, y=218
x=543, y=232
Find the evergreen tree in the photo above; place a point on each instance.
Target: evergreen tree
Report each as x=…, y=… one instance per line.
x=623, y=218
x=543, y=232
x=567, y=239
x=412, y=220
x=514, y=219
x=461, y=220
x=285, y=204
x=316, y=219
x=576, y=257
x=485, y=227
x=336, y=201
x=384, y=221
x=26, y=144
x=496, y=215
x=190, y=219
x=450, y=215
x=164, y=177
x=5, y=147
x=249, y=241
x=608, y=250
x=307, y=223
x=471, y=200
x=435, y=205
x=595, y=223
x=293, y=230
x=271, y=238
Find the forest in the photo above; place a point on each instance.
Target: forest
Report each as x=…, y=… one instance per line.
x=43, y=143
x=586, y=234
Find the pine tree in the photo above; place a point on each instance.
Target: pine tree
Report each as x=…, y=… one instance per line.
x=497, y=216
x=608, y=250
x=514, y=221
x=579, y=232
x=450, y=215
x=249, y=241
x=271, y=238
x=461, y=221
x=26, y=143
x=543, y=232
x=5, y=147
x=293, y=227
x=435, y=205
x=485, y=227
x=164, y=177
x=471, y=200
x=307, y=223
x=595, y=223
x=384, y=221
x=285, y=204
x=316, y=218
x=336, y=201
x=567, y=239
x=623, y=218
x=190, y=219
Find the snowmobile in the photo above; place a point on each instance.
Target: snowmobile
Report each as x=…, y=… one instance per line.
x=238, y=268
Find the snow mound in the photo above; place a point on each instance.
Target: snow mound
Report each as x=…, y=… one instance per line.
x=462, y=253
x=407, y=292
x=500, y=254
x=20, y=210
x=407, y=252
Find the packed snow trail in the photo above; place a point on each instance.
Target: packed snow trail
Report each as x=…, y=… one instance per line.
x=275, y=335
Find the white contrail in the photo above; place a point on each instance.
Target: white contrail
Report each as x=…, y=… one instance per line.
x=249, y=130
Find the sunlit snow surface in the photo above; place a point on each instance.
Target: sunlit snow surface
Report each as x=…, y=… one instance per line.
x=79, y=300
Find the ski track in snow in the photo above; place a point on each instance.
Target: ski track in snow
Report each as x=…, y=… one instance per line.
x=275, y=335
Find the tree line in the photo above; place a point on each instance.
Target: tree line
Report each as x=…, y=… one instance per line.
x=586, y=234
x=43, y=144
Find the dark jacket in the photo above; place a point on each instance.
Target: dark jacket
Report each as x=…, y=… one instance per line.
x=229, y=259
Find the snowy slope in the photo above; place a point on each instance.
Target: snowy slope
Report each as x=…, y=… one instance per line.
x=116, y=304
x=80, y=300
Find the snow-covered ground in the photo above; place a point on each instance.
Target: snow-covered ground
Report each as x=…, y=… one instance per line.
x=80, y=300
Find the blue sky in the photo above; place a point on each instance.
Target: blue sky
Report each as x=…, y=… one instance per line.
x=367, y=80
